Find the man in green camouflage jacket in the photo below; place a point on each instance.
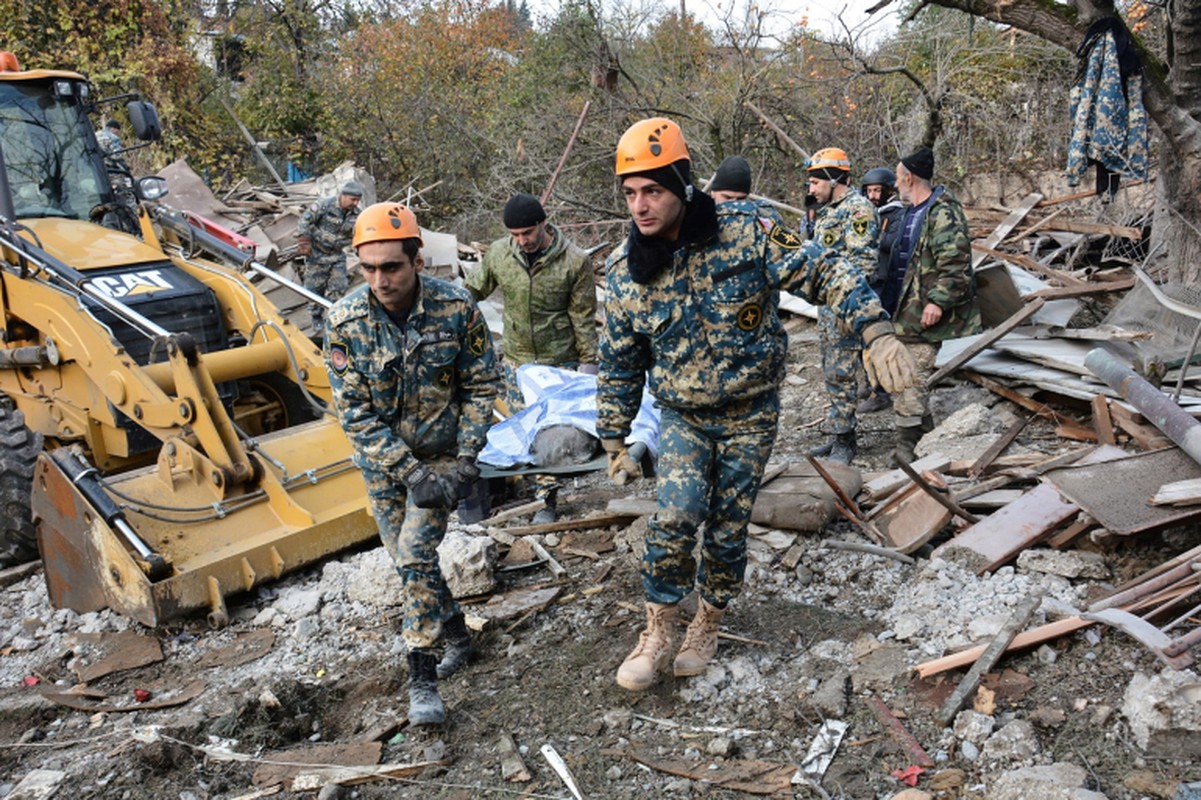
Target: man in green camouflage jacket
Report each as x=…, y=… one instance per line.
x=325, y=231
x=414, y=378
x=847, y=222
x=550, y=306
x=938, y=294
x=692, y=307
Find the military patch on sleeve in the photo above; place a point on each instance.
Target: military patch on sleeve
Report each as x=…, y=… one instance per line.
x=785, y=238
x=750, y=316
x=477, y=339
x=859, y=224
x=828, y=239
x=339, y=358
x=445, y=377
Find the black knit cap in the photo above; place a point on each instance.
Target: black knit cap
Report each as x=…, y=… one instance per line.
x=675, y=178
x=733, y=175
x=523, y=211
x=920, y=163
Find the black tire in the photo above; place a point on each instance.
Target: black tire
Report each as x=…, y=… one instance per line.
x=288, y=404
x=19, y=448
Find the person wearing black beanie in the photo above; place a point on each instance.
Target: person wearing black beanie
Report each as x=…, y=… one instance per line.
x=549, y=307
x=732, y=180
x=691, y=313
x=933, y=286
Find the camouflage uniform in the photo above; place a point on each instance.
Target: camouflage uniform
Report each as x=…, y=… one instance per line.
x=849, y=225
x=109, y=141
x=939, y=272
x=329, y=228
x=423, y=395
x=706, y=333
x=549, y=314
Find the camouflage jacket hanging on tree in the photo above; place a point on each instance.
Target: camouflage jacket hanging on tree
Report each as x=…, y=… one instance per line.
x=1109, y=121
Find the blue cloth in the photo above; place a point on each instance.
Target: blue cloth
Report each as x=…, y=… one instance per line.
x=558, y=397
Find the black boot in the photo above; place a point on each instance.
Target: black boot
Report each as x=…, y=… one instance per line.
x=458, y=646
x=425, y=704
x=907, y=438
x=840, y=447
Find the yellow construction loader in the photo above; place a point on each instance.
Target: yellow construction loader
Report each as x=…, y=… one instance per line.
x=165, y=439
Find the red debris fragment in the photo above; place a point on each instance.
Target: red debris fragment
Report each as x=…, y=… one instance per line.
x=141, y=695
x=30, y=680
x=909, y=775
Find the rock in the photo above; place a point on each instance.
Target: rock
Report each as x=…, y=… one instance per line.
x=372, y=580
x=1014, y=742
x=1164, y=712
x=831, y=696
x=965, y=434
x=946, y=780
x=1148, y=784
x=1065, y=563
x=987, y=627
x=973, y=727
x=913, y=794
x=1059, y=781
x=720, y=746
x=468, y=563
x=298, y=603
x=1048, y=717
x=880, y=668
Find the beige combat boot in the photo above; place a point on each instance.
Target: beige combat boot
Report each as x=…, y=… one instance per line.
x=649, y=658
x=700, y=641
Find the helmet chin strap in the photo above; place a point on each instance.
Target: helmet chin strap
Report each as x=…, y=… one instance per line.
x=688, y=188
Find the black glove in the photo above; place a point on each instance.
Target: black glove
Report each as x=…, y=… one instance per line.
x=466, y=474
x=428, y=490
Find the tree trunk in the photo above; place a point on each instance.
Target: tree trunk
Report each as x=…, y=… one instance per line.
x=1172, y=96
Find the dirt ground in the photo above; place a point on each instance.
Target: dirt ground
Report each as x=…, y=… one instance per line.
x=813, y=645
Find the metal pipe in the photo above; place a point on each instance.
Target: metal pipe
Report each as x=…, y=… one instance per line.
x=1170, y=418
x=229, y=365
x=219, y=247
x=16, y=357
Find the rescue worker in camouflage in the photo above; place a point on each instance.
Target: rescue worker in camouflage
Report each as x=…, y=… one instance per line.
x=691, y=308
x=414, y=379
x=847, y=222
x=325, y=231
x=880, y=187
x=937, y=299
x=109, y=137
x=732, y=183
x=549, y=306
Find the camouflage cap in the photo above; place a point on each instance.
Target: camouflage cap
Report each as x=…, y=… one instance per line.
x=352, y=188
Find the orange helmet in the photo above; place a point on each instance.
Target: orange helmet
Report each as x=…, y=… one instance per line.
x=384, y=221
x=650, y=144
x=829, y=158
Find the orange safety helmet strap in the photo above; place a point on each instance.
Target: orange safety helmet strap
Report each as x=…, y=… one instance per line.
x=650, y=144
x=386, y=221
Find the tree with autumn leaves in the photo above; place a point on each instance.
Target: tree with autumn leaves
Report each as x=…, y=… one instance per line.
x=477, y=100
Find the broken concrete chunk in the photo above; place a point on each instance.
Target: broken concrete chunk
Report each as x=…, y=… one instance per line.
x=1164, y=712
x=1065, y=563
x=1059, y=781
x=973, y=727
x=1014, y=742
x=468, y=563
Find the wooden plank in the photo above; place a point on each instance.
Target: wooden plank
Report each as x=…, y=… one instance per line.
x=1120, y=231
x=512, y=767
x=1028, y=263
x=1028, y=403
x=990, y=500
x=968, y=353
x=897, y=731
x=914, y=521
x=522, y=510
x=554, y=566
x=585, y=524
x=1010, y=222
x=1002, y=535
x=996, y=448
x=991, y=655
x=1179, y=493
x=1063, y=292
x=1147, y=436
x=889, y=482
x=1043, y=633
x=1063, y=538
x=1102, y=421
